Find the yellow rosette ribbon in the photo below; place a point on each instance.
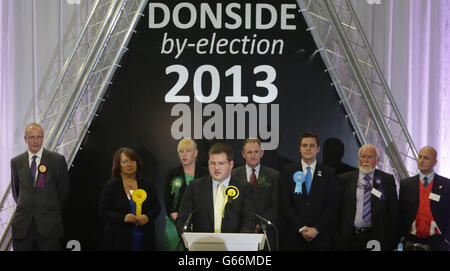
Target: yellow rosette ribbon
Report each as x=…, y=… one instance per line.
x=139, y=196
x=230, y=192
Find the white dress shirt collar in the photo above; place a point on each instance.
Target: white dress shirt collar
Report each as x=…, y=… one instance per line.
x=313, y=167
x=249, y=171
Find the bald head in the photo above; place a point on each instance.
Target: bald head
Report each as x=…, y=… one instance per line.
x=427, y=160
x=34, y=137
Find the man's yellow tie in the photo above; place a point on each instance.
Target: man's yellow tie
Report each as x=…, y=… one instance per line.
x=218, y=208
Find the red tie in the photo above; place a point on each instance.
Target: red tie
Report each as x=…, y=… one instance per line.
x=253, y=179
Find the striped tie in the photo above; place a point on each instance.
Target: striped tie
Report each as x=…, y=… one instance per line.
x=366, y=205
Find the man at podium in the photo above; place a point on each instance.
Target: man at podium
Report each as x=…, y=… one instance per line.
x=216, y=203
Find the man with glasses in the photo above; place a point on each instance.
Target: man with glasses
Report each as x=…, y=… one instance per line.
x=206, y=198
x=40, y=187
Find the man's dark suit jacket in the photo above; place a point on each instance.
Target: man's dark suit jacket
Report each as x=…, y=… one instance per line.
x=263, y=197
x=115, y=205
x=318, y=209
x=198, y=195
x=409, y=203
x=384, y=210
x=43, y=205
x=172, y=174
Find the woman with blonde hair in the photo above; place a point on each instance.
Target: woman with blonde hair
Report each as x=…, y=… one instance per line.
x=177, y=180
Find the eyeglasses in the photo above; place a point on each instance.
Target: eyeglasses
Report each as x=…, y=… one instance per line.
x=220, y=163
x=35, y=137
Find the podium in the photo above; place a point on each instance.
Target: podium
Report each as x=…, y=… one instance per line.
x=207, y=241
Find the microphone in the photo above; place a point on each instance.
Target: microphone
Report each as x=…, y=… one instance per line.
x=185, y=226
x=263, y=219
x=264, y=229
x=188, y=220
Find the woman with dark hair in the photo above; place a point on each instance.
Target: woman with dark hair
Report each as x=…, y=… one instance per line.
x=177, y=180
x=124, y=230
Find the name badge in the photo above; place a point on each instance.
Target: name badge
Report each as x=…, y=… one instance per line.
x=435, y=197
x=376, y=193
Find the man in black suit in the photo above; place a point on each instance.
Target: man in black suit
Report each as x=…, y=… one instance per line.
x=308, y=200
x=262, y=185
x=425, y=205
x=205, y=198
x=40, y=186
x=368, y=216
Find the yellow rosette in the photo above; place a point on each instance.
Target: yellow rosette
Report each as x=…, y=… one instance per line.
x=139, y=196
x=230, y=192
x=42, y=169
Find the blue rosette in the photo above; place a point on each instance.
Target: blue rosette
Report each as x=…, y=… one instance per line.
x=299, y=178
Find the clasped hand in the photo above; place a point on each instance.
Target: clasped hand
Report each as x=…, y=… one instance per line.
x=309, y=233
x=137, y=220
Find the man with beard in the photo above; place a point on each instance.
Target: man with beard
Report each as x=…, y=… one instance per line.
x=368, y=206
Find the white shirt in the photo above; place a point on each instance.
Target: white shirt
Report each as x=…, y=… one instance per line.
x=225, y=184
x=430, y=177
x=38, y=159
x=305, y=169
x=249, y=171
x=359, y=222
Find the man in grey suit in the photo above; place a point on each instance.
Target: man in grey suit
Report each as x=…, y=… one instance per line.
x=261, y=184
x=40, y=186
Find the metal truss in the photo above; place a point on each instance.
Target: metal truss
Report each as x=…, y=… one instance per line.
x=359, y=83
x=80, y=86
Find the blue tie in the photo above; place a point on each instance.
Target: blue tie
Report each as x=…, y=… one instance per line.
x=366, y=201
x=425, y=181
x=308, y=179
x=33, y=168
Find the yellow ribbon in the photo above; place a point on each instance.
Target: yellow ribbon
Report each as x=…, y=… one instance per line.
x=230, y=191
x=139, y=196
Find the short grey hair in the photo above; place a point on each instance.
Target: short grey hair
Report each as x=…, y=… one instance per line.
x=368, y=146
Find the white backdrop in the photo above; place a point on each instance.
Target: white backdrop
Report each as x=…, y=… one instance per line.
x=410, y=39
x=36, y=37
x=411, y=42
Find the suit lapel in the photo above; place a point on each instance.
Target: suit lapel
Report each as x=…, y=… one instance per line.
x=242, y=173
x=415, y=193
x=374, y=201
x=207, y=191
x=44, y=158
x=316, y=180
x=436, y=189
x=25, y=173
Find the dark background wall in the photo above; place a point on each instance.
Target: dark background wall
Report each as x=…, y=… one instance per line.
x=135, y=114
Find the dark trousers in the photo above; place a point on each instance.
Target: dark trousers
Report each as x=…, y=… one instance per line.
x=34, y=241
x=360, y=239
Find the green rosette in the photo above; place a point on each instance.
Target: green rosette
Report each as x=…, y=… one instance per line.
x=175, y=186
